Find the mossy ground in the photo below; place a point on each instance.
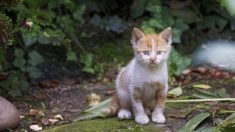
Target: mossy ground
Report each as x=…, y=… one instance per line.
x=107, y=125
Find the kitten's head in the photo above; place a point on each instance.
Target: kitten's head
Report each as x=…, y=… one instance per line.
x=151, y=49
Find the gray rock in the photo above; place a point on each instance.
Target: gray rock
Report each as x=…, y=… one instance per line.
x=9, y=115
x=216, y=53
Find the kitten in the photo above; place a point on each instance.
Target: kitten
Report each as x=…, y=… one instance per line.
x=143, y=83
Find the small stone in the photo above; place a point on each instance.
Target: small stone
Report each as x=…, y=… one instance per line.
x=9, y=115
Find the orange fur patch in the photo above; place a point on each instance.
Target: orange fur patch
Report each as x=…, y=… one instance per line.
x=137, y=94
x=160, y=96
x=152, y=41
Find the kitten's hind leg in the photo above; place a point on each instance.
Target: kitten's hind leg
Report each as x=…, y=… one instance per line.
x=124, y=112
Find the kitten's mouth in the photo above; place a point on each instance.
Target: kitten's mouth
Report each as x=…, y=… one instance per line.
x=152, y=63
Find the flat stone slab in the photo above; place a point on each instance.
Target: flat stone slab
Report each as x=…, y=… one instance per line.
x=109, y=125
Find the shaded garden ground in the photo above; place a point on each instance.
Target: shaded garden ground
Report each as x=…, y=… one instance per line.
x=68, y=97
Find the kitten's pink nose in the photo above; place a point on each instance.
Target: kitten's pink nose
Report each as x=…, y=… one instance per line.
x=152, y=59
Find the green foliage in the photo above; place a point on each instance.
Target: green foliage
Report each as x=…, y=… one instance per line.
x=36, y=22
x=28, y=64
x=15, y=85
x=161, y=18
x=226, y=125
x=113, y=23
x=90, y=66
x=177, y=63
x=137, y=8
x=87, y=60
x=6, y=36
x=25, y=24
x=203, y=94
x=181, y=18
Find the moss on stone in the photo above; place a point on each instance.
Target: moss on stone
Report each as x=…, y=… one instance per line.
x=107, y=125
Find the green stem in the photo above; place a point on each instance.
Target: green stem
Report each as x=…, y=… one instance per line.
x=200, y=100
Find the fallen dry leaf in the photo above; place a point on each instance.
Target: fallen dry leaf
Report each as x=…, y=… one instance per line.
x=53, y=121
x=175, y=92
x=58, y=116
x=93, y=99
x=186, y=71
x=22, y=116
x=45, y=121
x=34, y=112
x=35, y=127
x=202, y=86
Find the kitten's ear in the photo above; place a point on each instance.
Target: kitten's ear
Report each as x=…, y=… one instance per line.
x=136, y=35
x=166, y=34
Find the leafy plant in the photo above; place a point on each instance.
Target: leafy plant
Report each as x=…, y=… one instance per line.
x=15, y=84
x=161, y=17
x=177, y=63
x=90, y=66
x=36, y=22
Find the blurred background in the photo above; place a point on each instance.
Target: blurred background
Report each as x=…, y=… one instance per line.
x=49, y=45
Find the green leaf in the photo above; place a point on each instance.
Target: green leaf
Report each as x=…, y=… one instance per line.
x=177, y=63
x=137, y=8
x=194, y=122
x=35, y=58
x=95, y=111
x=77, y=15
x=71, y=56
x=15, y=92
x=204, y=94
x=229, y=120
x=178, y=29
x=222, y=93
x=89, y=70
x=87, y=60
x=19, y=60
x=15, y=84
x=29, y=40
x=202, y=86
x=187, y=15
x=43, y=38
x=210, y=129
x=34, y=72
x=175, y=92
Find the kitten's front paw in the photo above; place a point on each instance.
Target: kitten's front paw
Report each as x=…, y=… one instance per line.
x=159, y=118
x=142, y=119
x=124, y=114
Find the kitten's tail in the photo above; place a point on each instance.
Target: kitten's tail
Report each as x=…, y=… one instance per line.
x=113, y=107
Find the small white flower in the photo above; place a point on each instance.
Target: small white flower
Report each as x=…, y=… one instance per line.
x=29, y=23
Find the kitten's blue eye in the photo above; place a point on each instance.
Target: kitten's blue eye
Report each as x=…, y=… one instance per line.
x=145, y=52
x=159, y=52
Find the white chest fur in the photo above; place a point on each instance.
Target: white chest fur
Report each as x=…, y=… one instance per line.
x=143, y=75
